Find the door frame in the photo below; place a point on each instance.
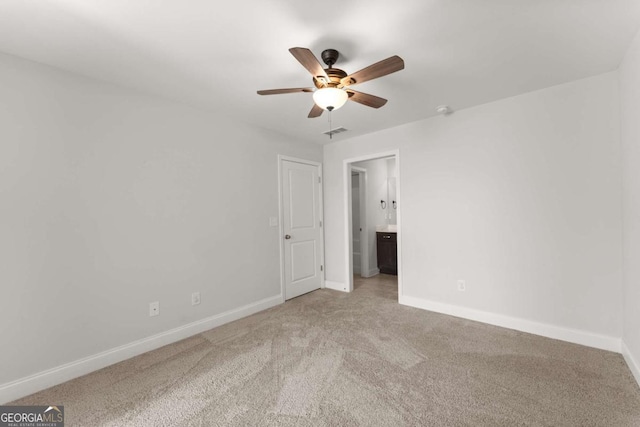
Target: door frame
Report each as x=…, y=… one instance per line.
x=364, y=237
x=346, y=168
x=282, y=158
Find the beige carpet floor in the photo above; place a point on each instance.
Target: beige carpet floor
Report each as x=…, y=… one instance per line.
x=334, y=359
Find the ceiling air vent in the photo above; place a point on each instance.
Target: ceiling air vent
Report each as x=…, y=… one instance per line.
x=335, y=131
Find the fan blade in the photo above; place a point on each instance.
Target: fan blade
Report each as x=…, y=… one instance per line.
x=366, y=99
x=379, y=69
x=279, y=91
x=310, y=62
x=315, y=112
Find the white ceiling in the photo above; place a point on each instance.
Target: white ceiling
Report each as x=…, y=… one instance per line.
x=215, y=54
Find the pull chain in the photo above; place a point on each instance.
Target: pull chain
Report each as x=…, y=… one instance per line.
x=330, y=126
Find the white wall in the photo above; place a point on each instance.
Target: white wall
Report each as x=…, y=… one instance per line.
x=111, y=199
x=630, y=135
x=391, y=174
x=520, y=197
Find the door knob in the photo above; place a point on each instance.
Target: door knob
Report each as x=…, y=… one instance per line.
x=286, y=236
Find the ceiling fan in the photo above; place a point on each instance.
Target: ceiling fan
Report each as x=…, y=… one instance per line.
x=332, y=85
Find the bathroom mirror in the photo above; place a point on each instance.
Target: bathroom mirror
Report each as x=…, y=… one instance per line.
x=392, y=204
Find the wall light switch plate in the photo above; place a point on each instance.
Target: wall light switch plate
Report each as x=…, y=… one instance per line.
x=462, y=285
x=273, y=221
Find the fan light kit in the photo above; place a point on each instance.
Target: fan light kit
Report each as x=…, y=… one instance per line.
x=332, y=85
x=330, y=98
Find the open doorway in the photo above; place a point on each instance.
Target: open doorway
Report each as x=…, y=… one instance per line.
x=372, y=216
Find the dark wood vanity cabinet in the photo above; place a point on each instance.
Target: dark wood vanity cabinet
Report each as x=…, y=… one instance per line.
x=387, y=252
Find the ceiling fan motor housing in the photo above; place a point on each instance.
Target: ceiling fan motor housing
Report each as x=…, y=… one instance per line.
x=330, y=56
x=334, y=74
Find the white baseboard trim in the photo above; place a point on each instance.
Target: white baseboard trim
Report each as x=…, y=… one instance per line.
x=634, y=365
x=336, y=286
x=373, y=272
x=45, y=379
x=575, y=336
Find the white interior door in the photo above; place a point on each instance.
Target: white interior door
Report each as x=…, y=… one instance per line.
x=302, y=227
x=359, y=218
x=364, y=239
x=356, y=229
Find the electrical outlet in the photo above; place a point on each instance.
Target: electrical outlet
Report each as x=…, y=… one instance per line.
x=195, y=298
x=154, y=308
x=462, y=285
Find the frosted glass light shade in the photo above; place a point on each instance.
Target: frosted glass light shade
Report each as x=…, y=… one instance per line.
x=330, y=98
